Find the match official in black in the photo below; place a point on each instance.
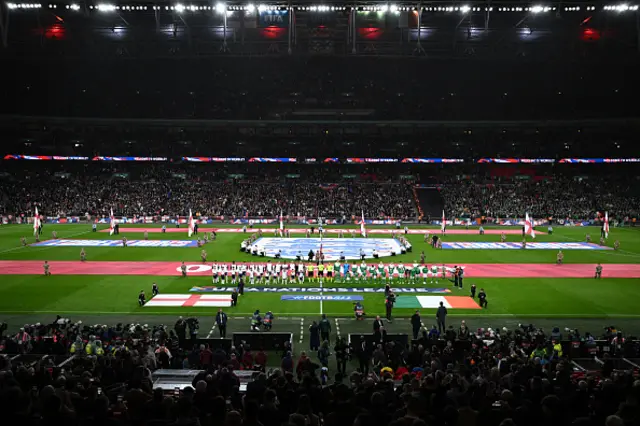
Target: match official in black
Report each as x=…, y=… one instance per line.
x=482, y=296
x=234, y=298
x=363, y=354
x=441, y=316
x=221, y=322
x=388, y=304
x=416, y=324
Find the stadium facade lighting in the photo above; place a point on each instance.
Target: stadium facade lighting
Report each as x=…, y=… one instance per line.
x=24, y=5
x=624, y=7
x=539, y=9
x=381, y=8
x=105, y=7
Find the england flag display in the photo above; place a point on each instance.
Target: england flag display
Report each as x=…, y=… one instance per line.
x=36, y=223
x=112, y=223
x=192, y=224
x=528, y=226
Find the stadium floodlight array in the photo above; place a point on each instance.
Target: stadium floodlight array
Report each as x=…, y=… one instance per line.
x=24, y=5
x=390, y=8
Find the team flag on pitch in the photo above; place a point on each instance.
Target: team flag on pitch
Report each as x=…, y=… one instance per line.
x=36, y=223
x=112, y=223
x=190, y=300
x=363, y=230
x=605, y=227
x=192, y=224
x=443, y=225
x=528, y=226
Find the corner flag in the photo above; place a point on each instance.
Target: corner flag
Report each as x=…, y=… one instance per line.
x=605, y=227
x=363, y=230
x=528, y=226
x=192, y=224
x=36, y=223
x=112, y=223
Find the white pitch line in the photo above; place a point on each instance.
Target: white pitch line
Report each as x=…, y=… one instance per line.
x=321, y=305
x=211, y=331
x=301, y=330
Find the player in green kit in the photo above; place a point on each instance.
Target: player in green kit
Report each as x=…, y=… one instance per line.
x=415, y=273
x=401, y=270
x=425, y=273
x=353, y=271
x=337, y=267
x=362, y=271
x=380, y=270
x=434, y=272
x=389, y=274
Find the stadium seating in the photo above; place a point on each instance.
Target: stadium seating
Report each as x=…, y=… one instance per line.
x=168, y=190
x=494, y=376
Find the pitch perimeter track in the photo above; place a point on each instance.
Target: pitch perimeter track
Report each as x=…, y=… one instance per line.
x=477, y=270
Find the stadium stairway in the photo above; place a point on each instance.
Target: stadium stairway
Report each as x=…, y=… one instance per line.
x=429, y=202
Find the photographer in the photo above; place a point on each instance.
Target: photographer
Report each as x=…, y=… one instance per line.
x=181, y=329
x=342, y=354
x=194, y=325
x=256, y=321
x=482, y=297
x=391, y=300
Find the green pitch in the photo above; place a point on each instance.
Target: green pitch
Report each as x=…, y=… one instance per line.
x=35, y=296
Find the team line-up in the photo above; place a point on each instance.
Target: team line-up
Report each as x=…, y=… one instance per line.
x=281, y=273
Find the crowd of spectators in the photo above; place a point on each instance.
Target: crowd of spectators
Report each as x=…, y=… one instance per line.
x=311, y=192
x=488, y=377
x=157, y=191
x=558, y=198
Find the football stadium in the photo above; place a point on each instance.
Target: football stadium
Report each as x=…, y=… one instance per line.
x=297, y=213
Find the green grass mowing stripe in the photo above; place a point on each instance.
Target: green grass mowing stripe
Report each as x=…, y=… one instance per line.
x=226, y=249
x=307, y=314
x=606, y=298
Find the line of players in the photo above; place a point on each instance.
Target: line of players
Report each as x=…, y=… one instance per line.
x=299, y=272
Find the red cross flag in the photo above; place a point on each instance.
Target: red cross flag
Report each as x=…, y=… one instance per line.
x=190, y=300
